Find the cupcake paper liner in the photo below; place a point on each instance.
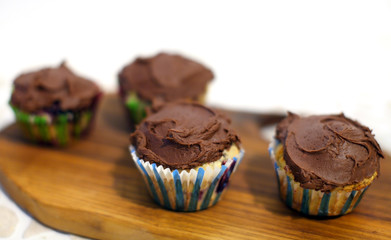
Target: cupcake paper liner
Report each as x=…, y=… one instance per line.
x=56, y=129
x=311, y=201
x=136, y=107
x=186, y=190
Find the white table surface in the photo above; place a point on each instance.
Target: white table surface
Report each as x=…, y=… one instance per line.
x=304, y=56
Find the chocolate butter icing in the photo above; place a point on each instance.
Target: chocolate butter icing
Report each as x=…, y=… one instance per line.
x=165, y=77
x=53, y=88
x=327, y=151
x=183, y=135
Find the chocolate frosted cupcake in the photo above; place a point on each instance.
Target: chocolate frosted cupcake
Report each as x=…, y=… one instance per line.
x=324, y=164
x=162, y=78
x=53, y=105
x=186, y=153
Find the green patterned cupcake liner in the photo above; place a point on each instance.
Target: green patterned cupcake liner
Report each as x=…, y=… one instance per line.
x=136, y=107
x=57, y=129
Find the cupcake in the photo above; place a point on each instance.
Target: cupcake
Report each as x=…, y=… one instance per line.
x=186, y=153
x=324, y=163
x=53, y=105
x=162, y=78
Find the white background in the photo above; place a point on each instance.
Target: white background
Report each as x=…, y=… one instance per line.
x=285, y=54
x=303, y=56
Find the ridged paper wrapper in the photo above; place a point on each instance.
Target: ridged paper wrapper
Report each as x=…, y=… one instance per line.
x=54, y=129
x=310, y=201
x=186, y=190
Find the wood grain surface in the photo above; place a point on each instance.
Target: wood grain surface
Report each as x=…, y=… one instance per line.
x=92, y=188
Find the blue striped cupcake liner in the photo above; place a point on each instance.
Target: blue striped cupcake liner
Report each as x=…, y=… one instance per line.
x=186, y=190
x=310, y=201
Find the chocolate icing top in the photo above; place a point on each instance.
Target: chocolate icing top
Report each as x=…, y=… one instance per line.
x=165, y=77
x=183, y=135
x=327, y=151
x=53, y=88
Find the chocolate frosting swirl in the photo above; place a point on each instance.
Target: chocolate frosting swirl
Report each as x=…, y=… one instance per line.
x=327, y=151
x=53, y=88
x=165, y=77
x=183, y=135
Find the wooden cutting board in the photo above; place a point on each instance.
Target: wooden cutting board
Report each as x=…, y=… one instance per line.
x=92, y=188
